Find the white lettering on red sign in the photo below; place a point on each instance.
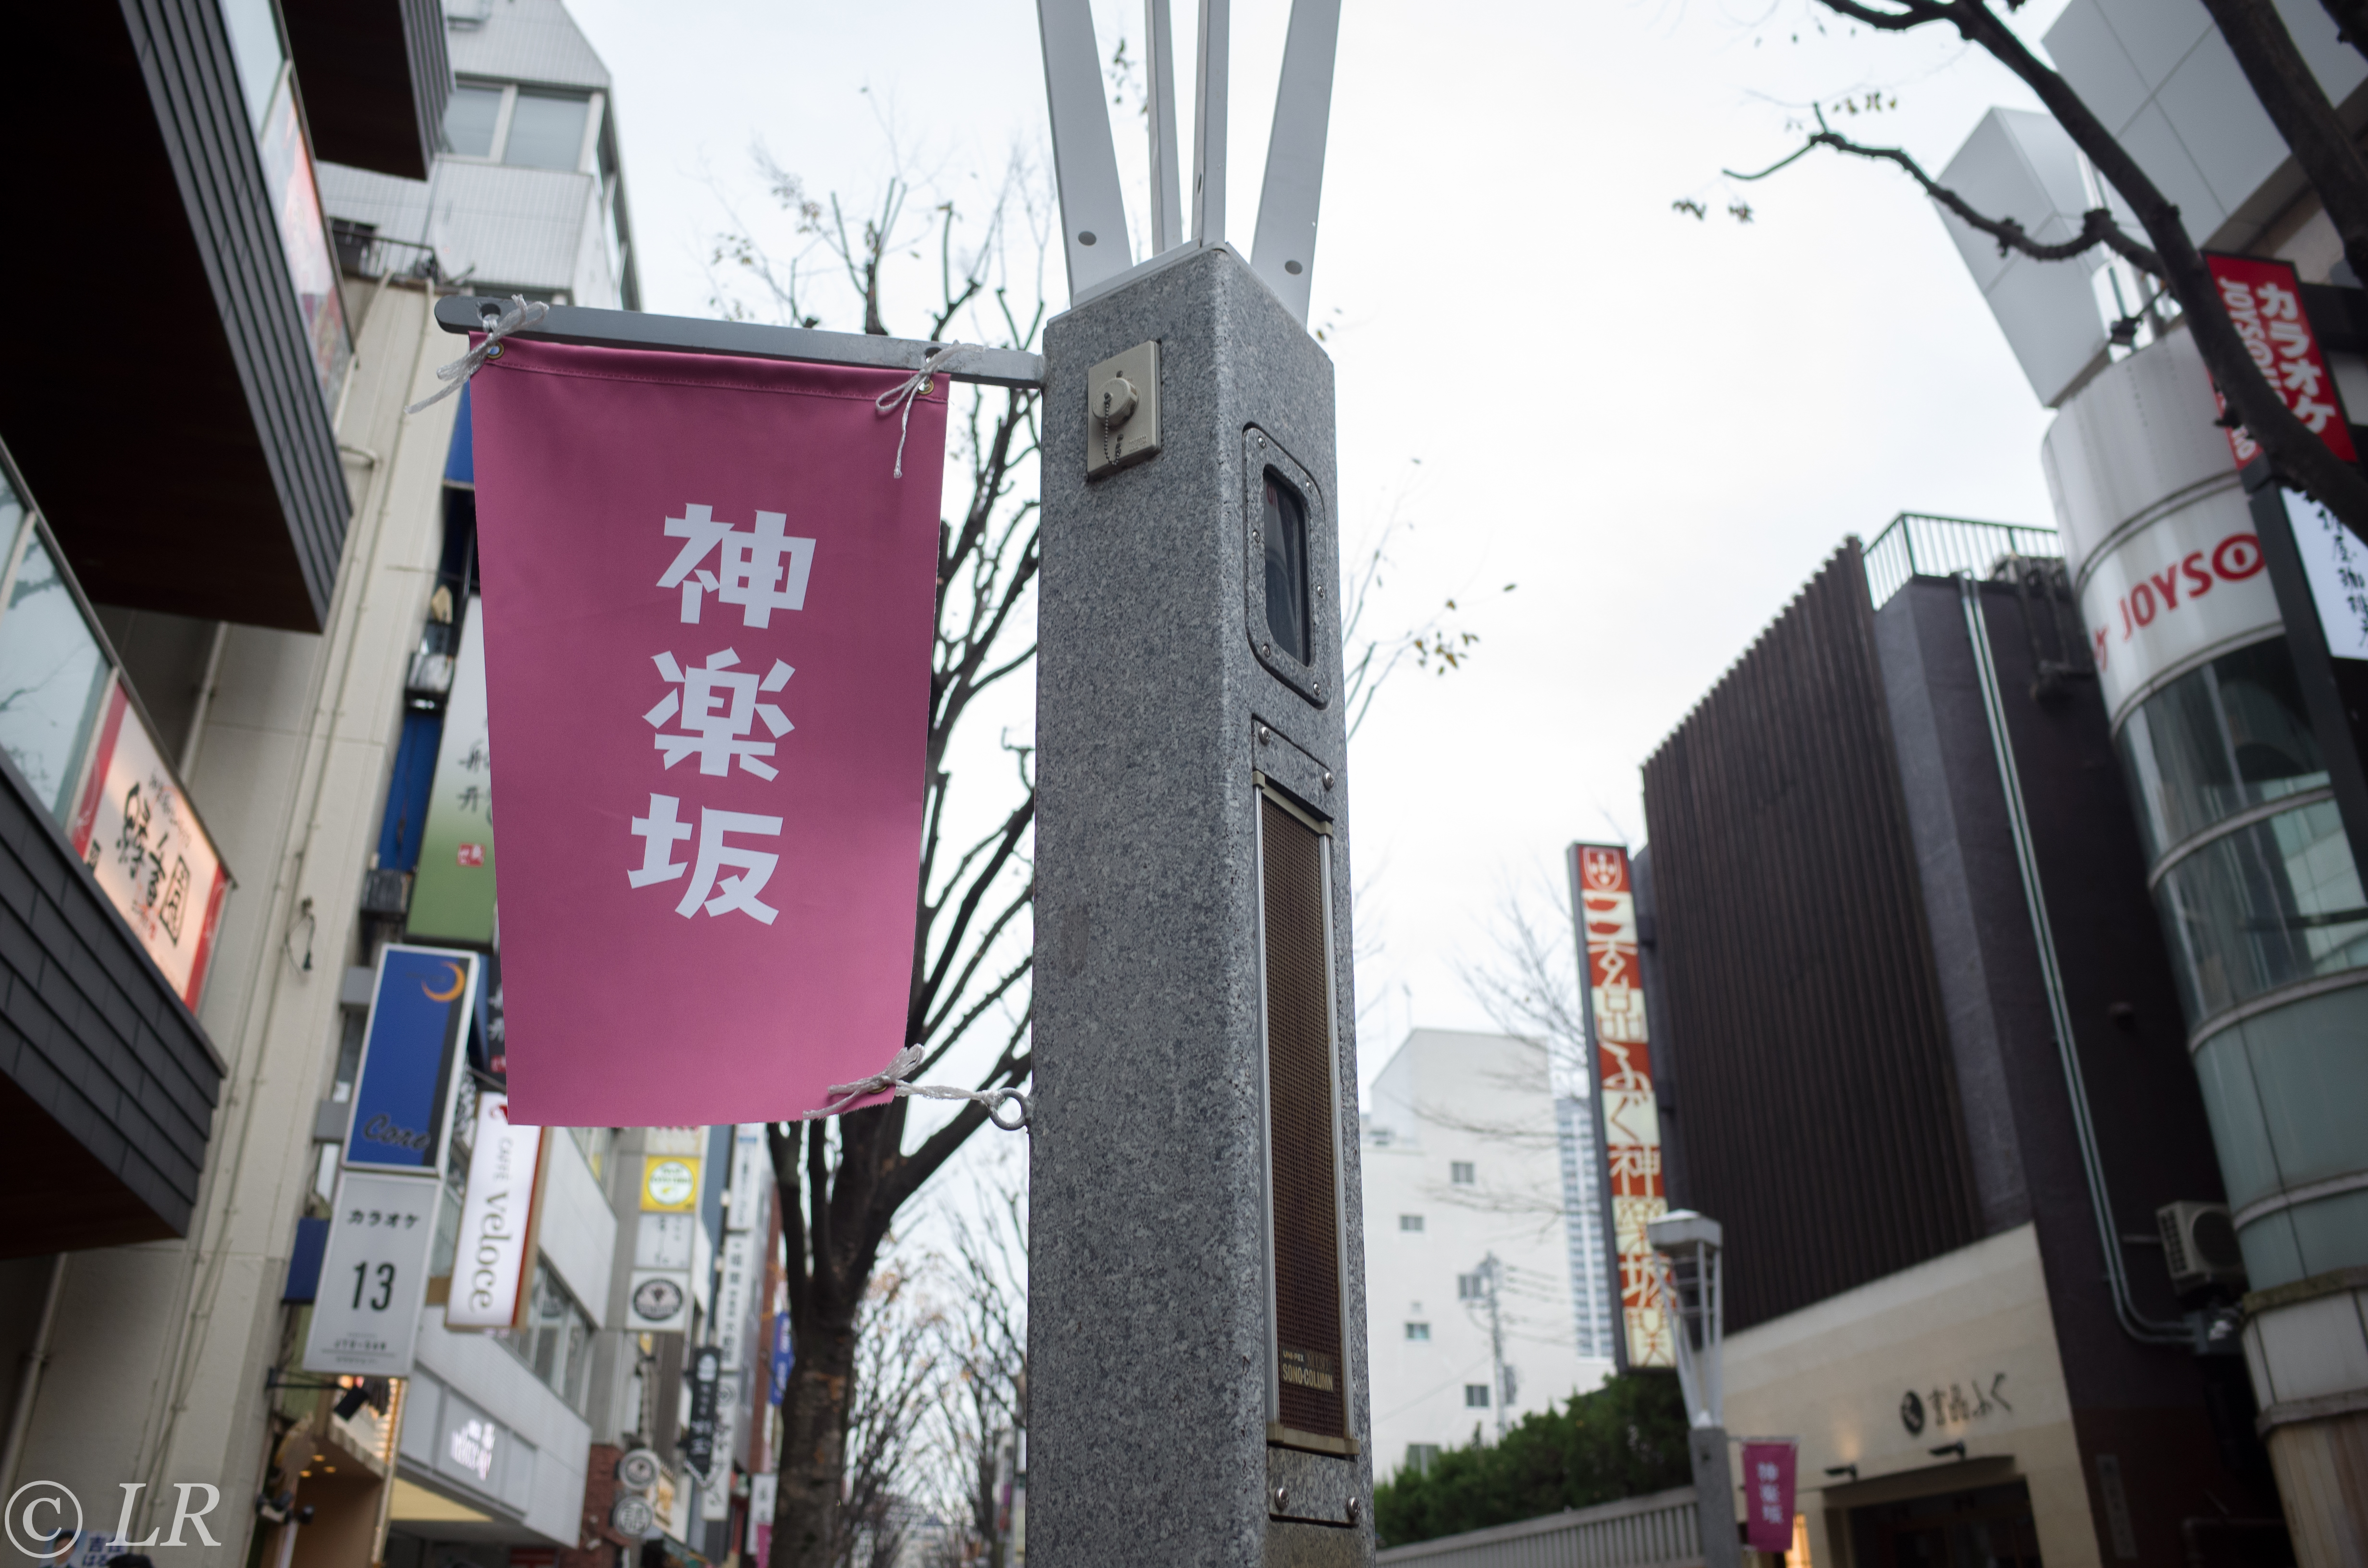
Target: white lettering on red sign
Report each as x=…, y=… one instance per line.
x=1624, y=1078
x=2263, y=300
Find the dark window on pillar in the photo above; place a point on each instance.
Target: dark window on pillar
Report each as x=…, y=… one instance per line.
x=1286, y=531
x=1309, y=1348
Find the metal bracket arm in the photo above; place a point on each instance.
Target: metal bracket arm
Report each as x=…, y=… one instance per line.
x=752, y=340
x=1283, y=254
x=1085, y=160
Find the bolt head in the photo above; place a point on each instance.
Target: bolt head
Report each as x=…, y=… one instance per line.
x=1282, y=1496
x=1328, y=779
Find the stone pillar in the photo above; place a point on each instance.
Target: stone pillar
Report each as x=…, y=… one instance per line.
x=1197, y=1309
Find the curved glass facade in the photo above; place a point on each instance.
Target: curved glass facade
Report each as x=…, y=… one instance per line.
x=2223, y=737
x=2258, y=891
x=2276, y=902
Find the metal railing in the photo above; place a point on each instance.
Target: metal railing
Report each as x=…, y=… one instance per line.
x=1916, y=544
x=1659, y=1531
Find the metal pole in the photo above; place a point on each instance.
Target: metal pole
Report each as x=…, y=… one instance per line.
x=1493, y=1272
x=1159, y=72
x=1209, y=123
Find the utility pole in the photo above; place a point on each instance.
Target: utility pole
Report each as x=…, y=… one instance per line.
x=1491, y=1275
x=1196, y=1365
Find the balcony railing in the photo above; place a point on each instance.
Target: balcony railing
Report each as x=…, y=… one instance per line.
x=1918, y=545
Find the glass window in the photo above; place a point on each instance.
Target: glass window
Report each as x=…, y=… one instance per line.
x=595, y=1143
x=1475, y=1396
x=312, y=266
x=556, y=1339
x=2225, y=736
x=52, y=680
x=1285, y=529
x=547, y=131
x=1409, y=1222
x=1460, y=1173
x=254, y=44
x=2269, y=904
x=470, y=116
x=1418, y=1330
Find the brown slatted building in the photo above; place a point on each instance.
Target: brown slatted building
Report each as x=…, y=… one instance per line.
x=1860, y=1080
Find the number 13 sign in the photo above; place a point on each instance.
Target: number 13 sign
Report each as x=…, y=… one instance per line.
x=373, y=1276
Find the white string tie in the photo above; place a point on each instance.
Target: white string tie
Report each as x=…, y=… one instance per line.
x=902, y=394
x=521, y=313
x=890, y=1080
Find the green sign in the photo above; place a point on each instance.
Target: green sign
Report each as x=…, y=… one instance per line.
x=452, y=899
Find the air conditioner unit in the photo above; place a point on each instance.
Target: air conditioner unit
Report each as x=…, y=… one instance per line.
x=2199, y=1245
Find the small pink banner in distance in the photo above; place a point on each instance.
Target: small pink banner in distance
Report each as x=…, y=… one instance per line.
x=708, y=612
x=1767, y=1480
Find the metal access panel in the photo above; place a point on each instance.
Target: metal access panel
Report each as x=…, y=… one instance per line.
x=1307, y=1378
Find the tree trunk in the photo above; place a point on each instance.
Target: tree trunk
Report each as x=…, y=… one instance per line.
x=2296, y=106
x=807, y=1508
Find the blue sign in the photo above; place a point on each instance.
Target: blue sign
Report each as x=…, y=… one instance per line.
x=403, y=1095
x=785, y=1356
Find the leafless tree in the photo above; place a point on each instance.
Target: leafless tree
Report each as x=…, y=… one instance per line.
x=2330, y=160
x=842, y=1182
x=982, y=1406
x=899, y=1361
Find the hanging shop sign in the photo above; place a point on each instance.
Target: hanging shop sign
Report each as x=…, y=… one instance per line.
x=1627, y=1116
x=373, y=1276
x=708, y=607
x=785, y=1358
x=2336, y=561
x=402, y=1096
x=670, y=1184
x=144, y=847
x=1768, y=1480
x=452, y=892
x=2263, y=298
x=497, y=1211
x=706, y=1389
x=739, y=1272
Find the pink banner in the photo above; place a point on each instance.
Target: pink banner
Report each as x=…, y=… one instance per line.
x=1768, y=1492
x=708, y=612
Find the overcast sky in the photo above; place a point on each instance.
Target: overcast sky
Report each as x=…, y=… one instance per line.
x=1656, y=428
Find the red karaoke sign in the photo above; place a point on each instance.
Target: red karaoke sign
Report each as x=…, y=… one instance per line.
x=2264, y=299
x=1623, y=1090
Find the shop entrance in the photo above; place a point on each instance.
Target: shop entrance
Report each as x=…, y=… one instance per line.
x=1990, y=1527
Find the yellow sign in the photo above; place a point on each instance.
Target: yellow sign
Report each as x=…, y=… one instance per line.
x=670, y=1184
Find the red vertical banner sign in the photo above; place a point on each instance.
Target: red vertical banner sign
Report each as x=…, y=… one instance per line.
x=1767, y=1483
x=708, y=611
x=2263, y=298
x=1626, y=1113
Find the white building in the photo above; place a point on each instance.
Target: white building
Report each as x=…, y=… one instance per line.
x=1470, y=1249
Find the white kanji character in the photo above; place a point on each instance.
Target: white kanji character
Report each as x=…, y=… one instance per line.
x=755, y=866
x=2299, y=375
x=661, y=830
x=2277, y=302
x=750, y=570
x=2313, y=412
x=719, y=706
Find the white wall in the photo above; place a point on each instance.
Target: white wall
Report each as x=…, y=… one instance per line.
x=1484, y=1100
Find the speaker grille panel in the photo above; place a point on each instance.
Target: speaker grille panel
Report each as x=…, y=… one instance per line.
x=1299, y=1088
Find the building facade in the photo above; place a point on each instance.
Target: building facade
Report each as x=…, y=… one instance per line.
x=2253, y=877
x=244, y=761
x=1469, y=1246
x=1919, y=1048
